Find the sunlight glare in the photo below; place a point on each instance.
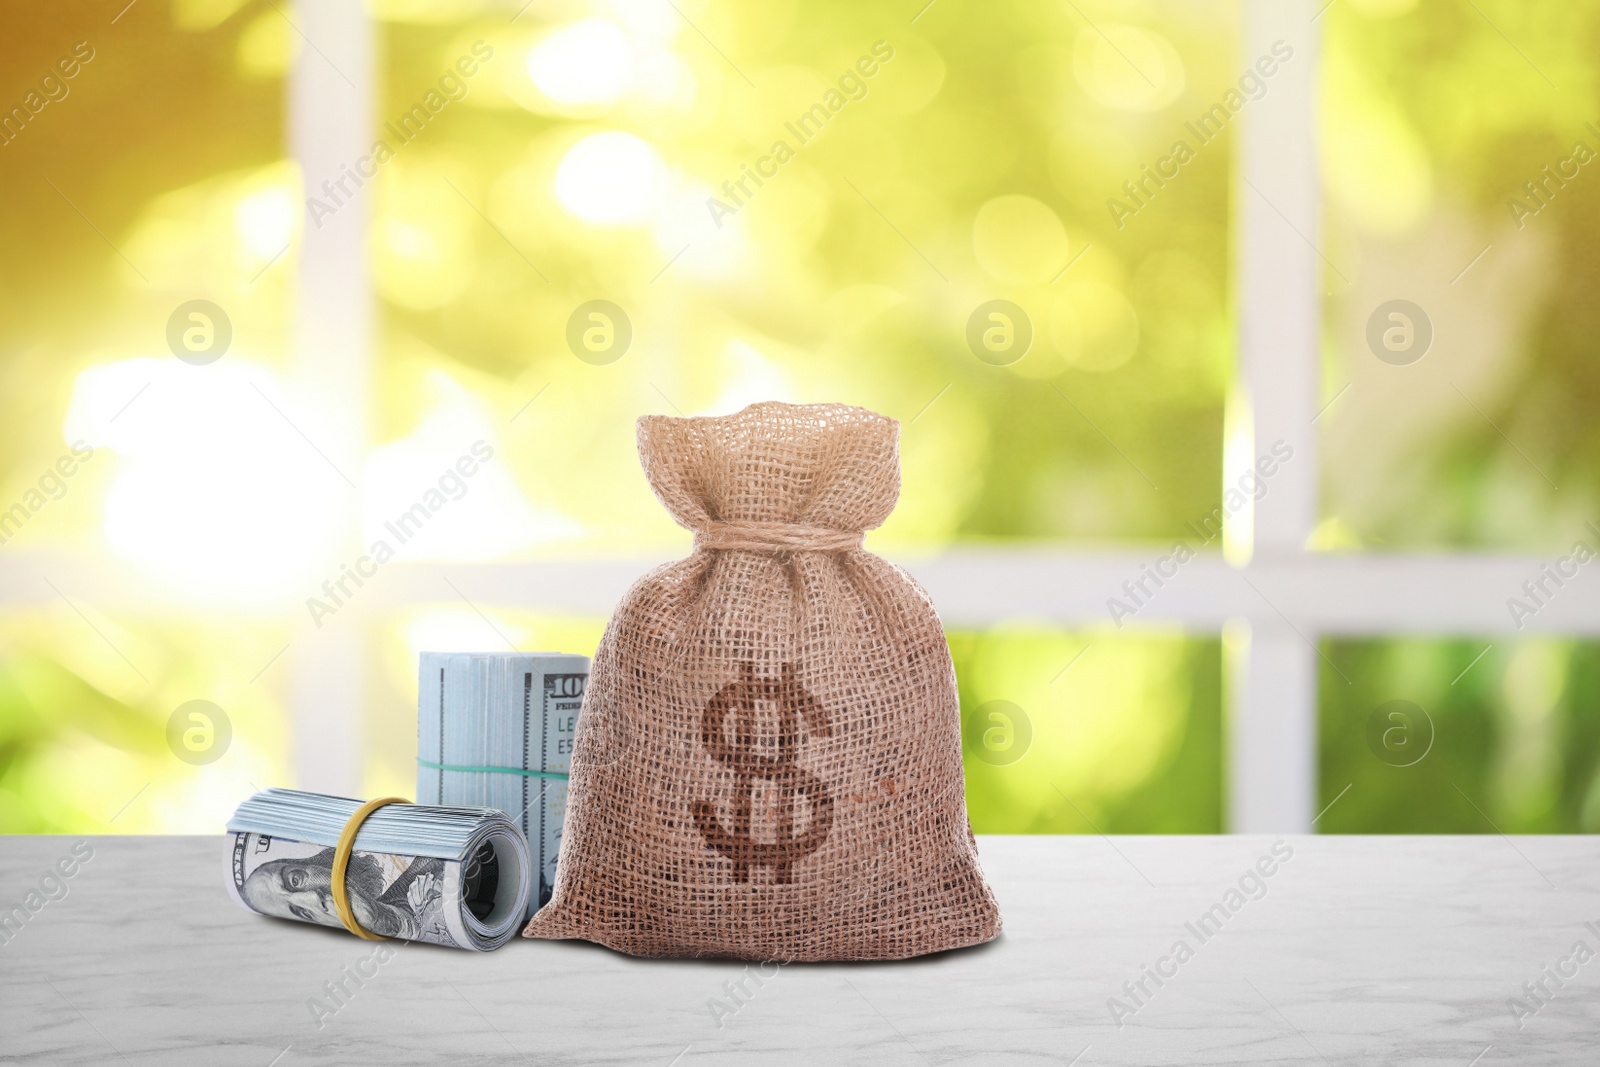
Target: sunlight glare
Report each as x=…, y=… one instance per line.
x=588, y=62
x=458, y=629
x=611, y=177
x=214, y=491
x=265, y=220
x=482, y=516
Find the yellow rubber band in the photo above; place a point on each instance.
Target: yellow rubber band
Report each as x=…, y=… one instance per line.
x=341, y=862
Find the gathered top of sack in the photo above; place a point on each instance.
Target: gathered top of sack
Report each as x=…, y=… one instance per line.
x=775, y=477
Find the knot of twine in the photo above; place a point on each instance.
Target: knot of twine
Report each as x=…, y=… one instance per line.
x=781, y=537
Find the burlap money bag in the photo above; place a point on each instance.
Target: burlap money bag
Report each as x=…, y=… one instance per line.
x=767, y=764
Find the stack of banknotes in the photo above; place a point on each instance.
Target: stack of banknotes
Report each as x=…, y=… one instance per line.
x=495, y=729
x=455, y=876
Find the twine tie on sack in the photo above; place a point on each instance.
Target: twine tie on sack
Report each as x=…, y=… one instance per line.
x=781, y=537
x=341, y=863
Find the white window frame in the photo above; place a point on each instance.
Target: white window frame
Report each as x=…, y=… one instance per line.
x=1272, y=608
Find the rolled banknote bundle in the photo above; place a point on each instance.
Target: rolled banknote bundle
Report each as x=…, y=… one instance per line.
x=451, y=876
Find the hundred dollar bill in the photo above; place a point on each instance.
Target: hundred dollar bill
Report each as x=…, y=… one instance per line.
x=495, y=729
x=458, y=877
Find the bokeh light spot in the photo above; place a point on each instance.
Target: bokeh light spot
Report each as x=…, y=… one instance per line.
x=1019, y=240
x=588, y=62
x=611, y=177
x=1128, y=68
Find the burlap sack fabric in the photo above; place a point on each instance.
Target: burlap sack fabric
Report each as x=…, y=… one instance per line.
x=768, y=759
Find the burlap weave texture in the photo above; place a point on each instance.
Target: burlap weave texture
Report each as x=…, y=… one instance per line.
x=768, y=759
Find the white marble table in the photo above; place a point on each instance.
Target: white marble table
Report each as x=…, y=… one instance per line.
x=1394, y=950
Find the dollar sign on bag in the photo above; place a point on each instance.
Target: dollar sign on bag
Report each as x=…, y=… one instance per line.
x=788, y=779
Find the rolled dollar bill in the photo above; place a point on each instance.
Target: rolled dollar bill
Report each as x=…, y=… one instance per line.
x=451, y=876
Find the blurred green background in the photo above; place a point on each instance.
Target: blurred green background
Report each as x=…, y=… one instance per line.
x=978, y=165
